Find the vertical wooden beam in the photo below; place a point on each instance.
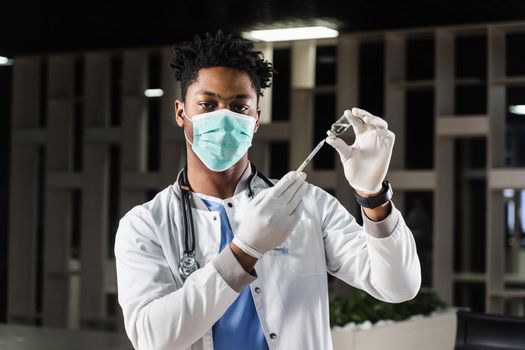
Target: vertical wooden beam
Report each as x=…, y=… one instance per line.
x=22, y=289
x=301, y=126
x=301, y=119
x=467, y=235
x=303, y=64
x=265, y=102
x=94, y=230
x=58, y=201
x=347, y=97
x=443, y=237
x=259, y=153
x=395, y=103
x=134, y=132
x=495, y=159
x=173, y=153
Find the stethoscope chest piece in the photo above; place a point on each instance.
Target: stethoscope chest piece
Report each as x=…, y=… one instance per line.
x=188, y=265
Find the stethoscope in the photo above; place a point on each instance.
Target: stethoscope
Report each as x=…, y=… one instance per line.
x=188, y=262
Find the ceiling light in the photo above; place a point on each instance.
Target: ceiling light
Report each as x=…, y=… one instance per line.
x=287, y=34
x=508, y=193
x=517, y=109
x=4, y=61
x=154, y=93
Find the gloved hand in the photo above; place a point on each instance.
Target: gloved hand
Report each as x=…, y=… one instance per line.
x=366, y=161
x=271, y=215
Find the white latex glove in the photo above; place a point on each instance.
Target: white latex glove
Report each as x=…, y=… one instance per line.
x=271, y=215
x=366, y=161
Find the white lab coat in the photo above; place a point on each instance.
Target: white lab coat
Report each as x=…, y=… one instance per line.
x=290, y=292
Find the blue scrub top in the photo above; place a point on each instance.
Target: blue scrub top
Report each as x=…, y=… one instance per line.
x=239, y=328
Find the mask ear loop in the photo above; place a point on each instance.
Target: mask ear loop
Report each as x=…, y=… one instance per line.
x=184, y=131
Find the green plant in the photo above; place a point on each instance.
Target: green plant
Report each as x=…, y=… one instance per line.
x=359, y=307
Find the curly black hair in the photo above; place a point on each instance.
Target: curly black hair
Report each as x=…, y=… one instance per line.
x=223, y=50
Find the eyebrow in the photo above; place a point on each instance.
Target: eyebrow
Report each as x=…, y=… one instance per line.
x=212, y=94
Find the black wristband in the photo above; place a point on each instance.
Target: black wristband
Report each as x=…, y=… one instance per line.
x=374, y=202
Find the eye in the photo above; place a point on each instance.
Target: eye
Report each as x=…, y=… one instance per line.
x=240, y=108
x=207, y=105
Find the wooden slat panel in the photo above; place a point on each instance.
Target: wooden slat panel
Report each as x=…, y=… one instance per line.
x=451, y=126
x=94, y=230
x=347, y=95
x=443, y=240
x=102, y=135
x=412, y=180
x=495, y=159
x=500, y=179
x=29, y=136
x=64, y=180
x=58, y=203
x=21, y=282
x=134, y=139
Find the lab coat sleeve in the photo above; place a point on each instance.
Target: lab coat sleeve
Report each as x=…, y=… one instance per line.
x=379, y=258
x=157, y=313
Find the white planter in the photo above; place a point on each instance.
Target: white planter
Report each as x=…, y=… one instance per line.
x=434, y=332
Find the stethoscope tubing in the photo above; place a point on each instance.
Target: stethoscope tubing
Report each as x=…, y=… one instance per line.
x=187, y=220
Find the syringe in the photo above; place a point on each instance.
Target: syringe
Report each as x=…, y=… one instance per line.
x=311, y=155
x=339, y=127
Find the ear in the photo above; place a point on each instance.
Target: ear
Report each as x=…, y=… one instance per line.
x=257, y=123
x=179, y=117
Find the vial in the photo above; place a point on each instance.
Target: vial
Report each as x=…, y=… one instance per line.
x=339, y=127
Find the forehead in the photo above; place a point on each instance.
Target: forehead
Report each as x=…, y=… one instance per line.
x=223, y=81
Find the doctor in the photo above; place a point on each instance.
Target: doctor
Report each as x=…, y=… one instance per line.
x=263, y=248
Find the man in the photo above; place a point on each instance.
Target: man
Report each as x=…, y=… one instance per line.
x=263, y=248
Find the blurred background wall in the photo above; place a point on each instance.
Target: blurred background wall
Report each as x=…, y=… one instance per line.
x=81, y=141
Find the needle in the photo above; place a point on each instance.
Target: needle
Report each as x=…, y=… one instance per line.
x=311, y=155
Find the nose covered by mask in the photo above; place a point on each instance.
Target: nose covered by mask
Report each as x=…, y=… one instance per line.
x=221, y=138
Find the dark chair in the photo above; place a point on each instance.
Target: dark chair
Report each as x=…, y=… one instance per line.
x=489, y=332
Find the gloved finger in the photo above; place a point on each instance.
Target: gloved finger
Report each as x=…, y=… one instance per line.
x=296, y=199
x=360, y=113
x=390, y=137
x=348, y=114
x=385, y=137
x=380, y=123
x=298, y=211
x=344, y=150
x=358, y=124
x=385, y=133
x=259, y=197
x=292, y=218
x=285, y=182
x=287, y=195
x=291, y=221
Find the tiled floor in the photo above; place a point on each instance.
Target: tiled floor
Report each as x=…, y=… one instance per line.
x=14, y=337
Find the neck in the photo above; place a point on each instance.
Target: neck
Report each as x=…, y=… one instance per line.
x=216, y=184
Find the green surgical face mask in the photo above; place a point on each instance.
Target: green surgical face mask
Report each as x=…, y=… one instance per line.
x=221, y=138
